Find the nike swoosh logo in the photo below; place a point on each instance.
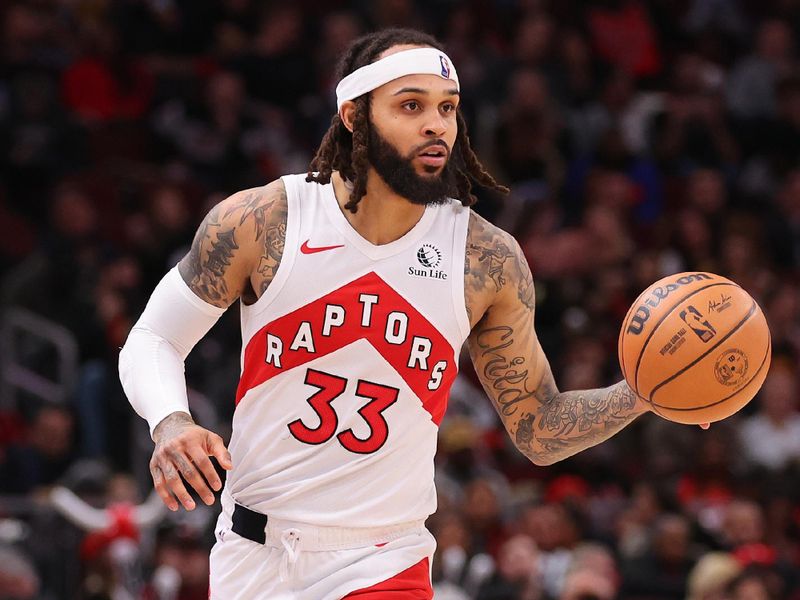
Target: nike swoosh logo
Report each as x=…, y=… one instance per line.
x=306, y=249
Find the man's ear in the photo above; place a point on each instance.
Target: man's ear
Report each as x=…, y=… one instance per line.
x=348, y=114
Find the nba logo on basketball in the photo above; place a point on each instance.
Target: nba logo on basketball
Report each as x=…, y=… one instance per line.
x=445, y=67
x=692, y=317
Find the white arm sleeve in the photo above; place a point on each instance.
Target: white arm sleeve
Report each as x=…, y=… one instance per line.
x=151, y=362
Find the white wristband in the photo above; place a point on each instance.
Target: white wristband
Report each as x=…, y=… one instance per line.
x=151, y=364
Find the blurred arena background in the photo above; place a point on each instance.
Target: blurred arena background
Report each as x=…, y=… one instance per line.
x=640, y=138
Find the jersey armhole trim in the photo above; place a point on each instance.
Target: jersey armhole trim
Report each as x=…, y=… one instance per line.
x=459, y=258
x=289, y=251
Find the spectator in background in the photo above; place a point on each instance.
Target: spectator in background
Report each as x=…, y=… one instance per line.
x=782, y=304
x=181, y=565
x=221, y=138
x=106, y=84
x=600, y=241
x=339, y=29
x=518, y=572
x=162, y=233
x=482, y=515
x=18, y=578
x=556, y=534
x=774, y=144
x=783, y=223
x=726, y=16
x=527, y=133
x=45, y=454
x=743, y=526
x=693, y=130
x=624, y=36
x=781, y=526
x=752, y=584
x=587, y=585
x=634, y=523
x=663, y=571
x=591, y=575
x=752, y=81
x=771, y=437
x=39, y=142
x=706, y=192
x=277, y=54
x=711, y=576
x=58, y=280
x=610, y=108
x=706, y=487
x=451, y=561
x=573, y=74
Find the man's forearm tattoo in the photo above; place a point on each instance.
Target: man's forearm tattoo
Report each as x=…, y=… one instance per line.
x=524, y=435
x=507, y=378
x=586, y=409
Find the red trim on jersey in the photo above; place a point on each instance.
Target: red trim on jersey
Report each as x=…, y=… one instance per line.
x=412, y=584
x=257, y=371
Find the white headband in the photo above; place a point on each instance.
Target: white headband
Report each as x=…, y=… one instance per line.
x=418, y=61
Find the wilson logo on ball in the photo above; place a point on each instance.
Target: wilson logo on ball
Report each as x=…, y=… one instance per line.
x=654, y=298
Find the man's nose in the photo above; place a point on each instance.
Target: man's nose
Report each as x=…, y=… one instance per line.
x=436, y=126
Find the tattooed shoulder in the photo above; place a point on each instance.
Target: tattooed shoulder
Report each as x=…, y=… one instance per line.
x=272, y=242
x=494, y=262
x=242, y=234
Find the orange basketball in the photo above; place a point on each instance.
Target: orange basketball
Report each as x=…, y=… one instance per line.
x=695, y=346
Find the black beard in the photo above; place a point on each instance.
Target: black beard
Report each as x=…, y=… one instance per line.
x=399, y=174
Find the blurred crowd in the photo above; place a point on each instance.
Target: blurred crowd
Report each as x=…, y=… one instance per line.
x=640, y=138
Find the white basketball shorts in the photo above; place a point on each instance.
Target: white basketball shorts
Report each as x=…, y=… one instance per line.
x=260, y=558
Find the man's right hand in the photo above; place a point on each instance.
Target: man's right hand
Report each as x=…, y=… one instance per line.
x=183, y=449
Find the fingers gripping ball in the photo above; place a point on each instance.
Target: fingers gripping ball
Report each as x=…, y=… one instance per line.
x=695, y=346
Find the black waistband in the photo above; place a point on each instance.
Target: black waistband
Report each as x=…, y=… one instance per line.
x=249, y=524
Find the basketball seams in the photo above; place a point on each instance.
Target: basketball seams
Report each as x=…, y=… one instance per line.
x=658, y=324
x=726, y=398
x=678, y=373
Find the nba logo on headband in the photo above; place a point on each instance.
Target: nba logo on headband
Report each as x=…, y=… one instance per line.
x=445, y=67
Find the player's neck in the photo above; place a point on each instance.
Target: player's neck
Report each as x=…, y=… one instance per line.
x=383, y=216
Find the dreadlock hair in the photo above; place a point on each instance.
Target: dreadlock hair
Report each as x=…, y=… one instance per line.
x=346, y=152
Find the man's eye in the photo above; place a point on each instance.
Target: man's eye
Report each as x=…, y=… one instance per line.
x=449, y=107
x=412, y=105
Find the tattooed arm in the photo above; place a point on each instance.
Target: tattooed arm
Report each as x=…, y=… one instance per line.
x=235, y=254
x=546, y=425
x=238, y=246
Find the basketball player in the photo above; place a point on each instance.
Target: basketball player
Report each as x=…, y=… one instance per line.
x=358, y=284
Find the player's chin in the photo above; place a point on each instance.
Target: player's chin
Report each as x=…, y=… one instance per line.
x=430, y=171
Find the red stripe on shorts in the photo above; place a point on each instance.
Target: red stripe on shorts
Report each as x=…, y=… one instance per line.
x=412, y=584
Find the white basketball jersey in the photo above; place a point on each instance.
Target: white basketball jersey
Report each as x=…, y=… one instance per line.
x=347, y=362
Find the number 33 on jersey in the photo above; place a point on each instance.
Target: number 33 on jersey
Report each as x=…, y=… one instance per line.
x=347, y=363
